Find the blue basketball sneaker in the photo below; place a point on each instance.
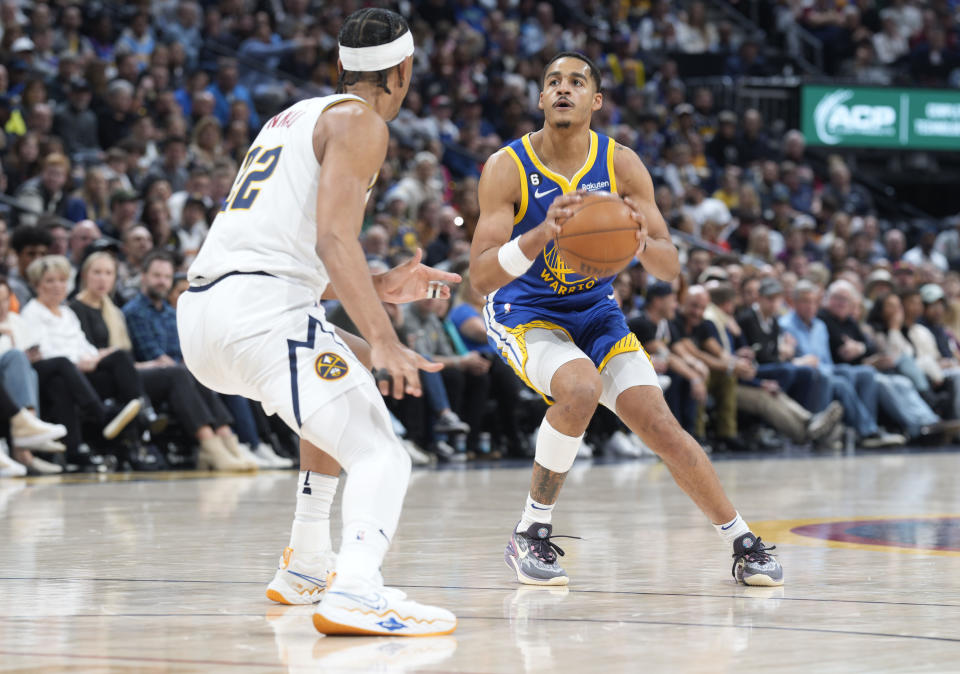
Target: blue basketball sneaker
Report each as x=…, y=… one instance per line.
x=753, y=564
x=533, y=556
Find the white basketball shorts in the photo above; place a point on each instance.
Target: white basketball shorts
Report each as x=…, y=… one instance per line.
x=266, y=339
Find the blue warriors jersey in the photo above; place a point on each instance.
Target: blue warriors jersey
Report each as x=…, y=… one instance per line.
x=551, y=295
x=549, y=282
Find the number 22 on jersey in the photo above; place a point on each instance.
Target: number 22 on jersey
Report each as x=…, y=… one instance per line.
x=246, y=187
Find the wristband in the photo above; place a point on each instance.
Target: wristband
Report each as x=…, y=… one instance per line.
x=512, y=259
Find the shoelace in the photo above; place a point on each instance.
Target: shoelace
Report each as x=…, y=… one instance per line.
x=758, y=553
x=546, y=550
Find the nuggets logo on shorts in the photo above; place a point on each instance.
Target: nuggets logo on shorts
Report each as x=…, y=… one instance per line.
x=330, y=366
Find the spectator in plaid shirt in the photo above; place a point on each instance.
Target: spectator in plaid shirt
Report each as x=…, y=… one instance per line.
x=152, y=324
x=151, y=319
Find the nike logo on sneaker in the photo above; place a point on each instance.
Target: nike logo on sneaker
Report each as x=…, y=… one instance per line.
x=309, y=579
x=539, y=195
x=374, y=602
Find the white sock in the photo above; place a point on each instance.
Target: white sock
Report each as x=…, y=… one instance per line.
x=311, y=522
x=733, y=529
x=361, y=554
x=535, y=512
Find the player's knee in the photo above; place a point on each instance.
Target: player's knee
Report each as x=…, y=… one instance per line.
x=400, y=461
x=578, y=389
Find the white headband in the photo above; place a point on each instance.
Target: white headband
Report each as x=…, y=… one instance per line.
x=381, y=57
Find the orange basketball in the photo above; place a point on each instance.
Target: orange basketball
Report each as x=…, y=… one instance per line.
x=599, y=239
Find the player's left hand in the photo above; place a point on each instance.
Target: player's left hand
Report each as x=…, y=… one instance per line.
x=641, y=223
x=413, y=281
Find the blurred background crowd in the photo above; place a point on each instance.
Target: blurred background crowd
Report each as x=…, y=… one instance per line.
x=818, y=306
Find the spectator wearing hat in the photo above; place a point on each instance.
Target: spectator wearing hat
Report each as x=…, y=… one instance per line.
x=925, y=252
x=773, y=349
x=723, y=148
x=75, y=123
x=684, y=124
x=23, y=50
x=879, y=282
x=440, y=120
x=934, y=314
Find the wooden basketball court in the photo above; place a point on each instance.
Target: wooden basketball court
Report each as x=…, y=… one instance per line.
x=166, y=573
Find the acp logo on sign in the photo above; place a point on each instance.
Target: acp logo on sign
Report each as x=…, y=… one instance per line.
x=834, y=118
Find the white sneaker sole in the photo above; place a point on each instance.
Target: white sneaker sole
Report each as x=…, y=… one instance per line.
x=39, y=440
x=281, y=592
x=359, y=622
x=762, y=580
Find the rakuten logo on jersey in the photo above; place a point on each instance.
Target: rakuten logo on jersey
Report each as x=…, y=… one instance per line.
x=595, y=187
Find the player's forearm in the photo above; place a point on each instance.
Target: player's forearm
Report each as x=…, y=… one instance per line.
x=661, y=259
x=357, y=344
x=342, y=257
x=486, y=270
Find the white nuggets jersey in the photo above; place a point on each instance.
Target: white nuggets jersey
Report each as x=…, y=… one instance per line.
x=268, y=223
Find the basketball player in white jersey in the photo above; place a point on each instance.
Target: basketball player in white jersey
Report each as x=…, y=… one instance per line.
x=251, y=324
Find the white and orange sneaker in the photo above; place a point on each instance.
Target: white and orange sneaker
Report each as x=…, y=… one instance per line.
x=301, y=579
x=353, y=608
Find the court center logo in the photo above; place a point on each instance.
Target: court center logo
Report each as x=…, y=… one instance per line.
x=330, y=366
x=834, y=120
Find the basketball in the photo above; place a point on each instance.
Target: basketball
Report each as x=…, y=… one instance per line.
x=599, y=239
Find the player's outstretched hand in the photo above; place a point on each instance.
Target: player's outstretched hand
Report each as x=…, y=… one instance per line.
x=413, y=281
x=641, y=223
x=396, y=369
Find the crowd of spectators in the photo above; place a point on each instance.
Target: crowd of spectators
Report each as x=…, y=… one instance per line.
x=123, y=125
x=875, y=42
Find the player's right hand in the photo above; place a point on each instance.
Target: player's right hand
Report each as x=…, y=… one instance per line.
x=561, y=209
x=396, y=369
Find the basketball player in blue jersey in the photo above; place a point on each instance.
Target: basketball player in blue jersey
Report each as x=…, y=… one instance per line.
x=564, y=334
